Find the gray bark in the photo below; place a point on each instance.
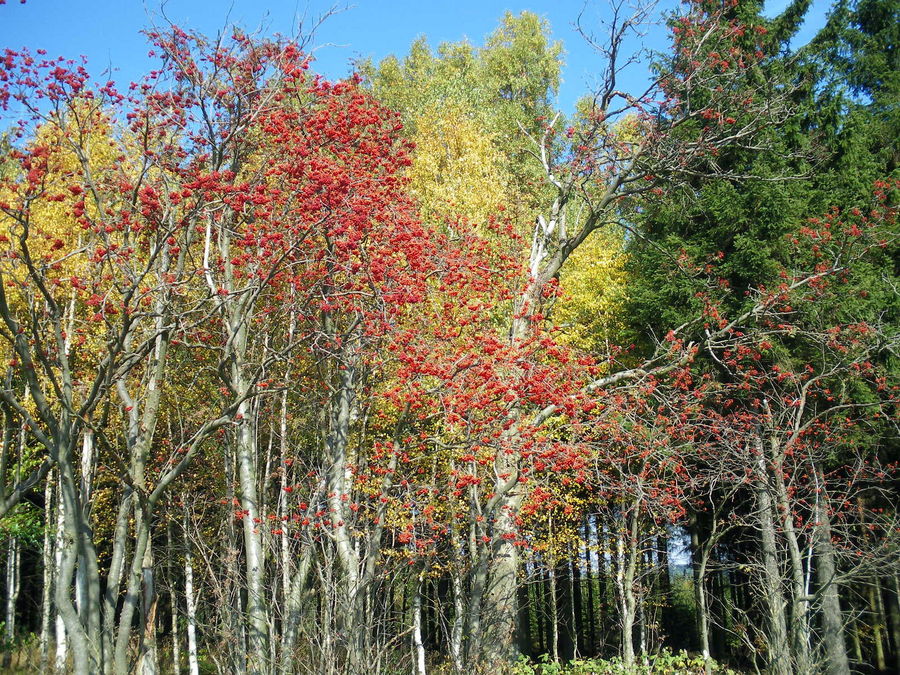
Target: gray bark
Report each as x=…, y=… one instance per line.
x=779, y=654
x=193, y=663
x=836, y=661
x=700, y=560
x=799, y=624
x=48, y=572
x=13, y=585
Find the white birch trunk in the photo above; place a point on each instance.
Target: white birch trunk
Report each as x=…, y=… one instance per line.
x=62, y=643
x=193, y=663
x=48, y=573
x=418, y=644
x=13, y=584
x=173, y=602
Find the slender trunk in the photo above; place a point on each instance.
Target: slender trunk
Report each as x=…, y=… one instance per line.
x=283, y=507
x=79, y=557
x=627, y=553
x=48, y=571
x=77, y=551
x=459, y=608
x=474, y=637
x=149, y=604
x=857, y=643
x=877, y=625
x=293, y=607
x=591, y=613
x=799, y=625
x=116, y=569
x=577, y=606
x=417, y=643
x=357, y=570
x=275, y=608
x=13, y=552
x=62, y=642
x=327, y=658
x=256, y=611
x=539, y=613
x=173, y=602
x=524, y=620
x=87, y=473
x=193, y=663
x=132, y=601
x=13, y=584
x=554, y=614
x=894, y=612
x=699, y=562
x=836, y=661
x=233, y=625
x=779, y=656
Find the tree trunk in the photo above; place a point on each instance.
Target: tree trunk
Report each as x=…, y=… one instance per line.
x=48, y=572
x=591, y=646
x=459, y=607
x=565, y=611
x=13, y=584
x=173, y=601
x=293, y=608
x=524, y=620
x=554, y=614
x=894, y=612
x=799, y=625
x=877, y=625
x=577, y=606
x=62, y=642
x=699, y=561
x=82, y=625
x=193, y=664
x=256, y=610
x=502, y=595
x=417, y=643
x=627, y=554
x=836, y=661
x=779, y=656
x=149, y=604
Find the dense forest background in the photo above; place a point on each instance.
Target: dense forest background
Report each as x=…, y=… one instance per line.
x=413, y=373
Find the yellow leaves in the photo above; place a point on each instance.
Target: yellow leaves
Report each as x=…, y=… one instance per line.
x=53, y=229
x=555, y=527
x=629, y=130
x=594, y=286
x=457, y=171
x=465, y=107
x=46, y=256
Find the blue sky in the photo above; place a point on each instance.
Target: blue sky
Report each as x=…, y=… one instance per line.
x=108, y=32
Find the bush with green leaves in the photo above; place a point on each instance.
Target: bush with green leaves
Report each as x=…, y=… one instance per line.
x=664, y=663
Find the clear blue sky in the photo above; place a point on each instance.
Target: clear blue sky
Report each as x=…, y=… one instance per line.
x=108, y=32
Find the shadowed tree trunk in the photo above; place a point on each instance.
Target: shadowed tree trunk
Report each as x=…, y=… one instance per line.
x=836, y=661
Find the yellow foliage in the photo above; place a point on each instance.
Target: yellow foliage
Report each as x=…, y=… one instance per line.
x=457, y=170
x=594, y=285
x=54, y=233
x=81, y=153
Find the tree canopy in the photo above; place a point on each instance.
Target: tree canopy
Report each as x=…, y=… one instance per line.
x=412, y=371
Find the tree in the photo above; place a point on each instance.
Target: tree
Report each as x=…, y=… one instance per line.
x=464, y=108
